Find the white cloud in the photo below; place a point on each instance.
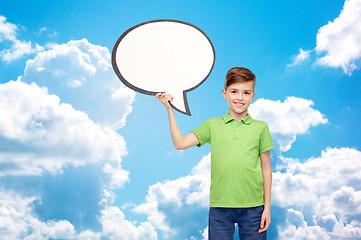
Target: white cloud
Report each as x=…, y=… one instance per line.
x=326, y=189
x=301, y=57
x=338, y=42
x=300, y=183
x=89, y=235
x=7, y=30
x=340, y=39
x=41, y=30
x=18, y=48
x=341, y=210
x=176, y=195
x=54, y=34
x=17, y=221
x=80, y=73
x=345, y=201
x=116, y=227
x=118, y=175
x=205, y=234
x=287, y=119
x=38, y=133
x=297, y=228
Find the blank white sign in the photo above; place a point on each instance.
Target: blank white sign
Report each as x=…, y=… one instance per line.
x=164, y=56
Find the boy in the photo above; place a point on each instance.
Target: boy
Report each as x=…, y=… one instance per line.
x=241, y=174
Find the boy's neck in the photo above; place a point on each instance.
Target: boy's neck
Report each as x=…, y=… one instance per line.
x=238, y=116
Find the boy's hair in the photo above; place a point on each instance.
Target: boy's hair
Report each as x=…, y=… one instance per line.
x=239, y=74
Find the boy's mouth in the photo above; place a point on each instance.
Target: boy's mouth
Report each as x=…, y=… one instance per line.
x=239, y=104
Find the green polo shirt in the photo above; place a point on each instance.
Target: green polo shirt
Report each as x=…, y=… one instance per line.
x=236, y=174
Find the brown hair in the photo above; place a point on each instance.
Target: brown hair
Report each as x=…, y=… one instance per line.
x=239, y=74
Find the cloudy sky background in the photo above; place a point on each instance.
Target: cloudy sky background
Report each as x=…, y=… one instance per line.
x=83, y=157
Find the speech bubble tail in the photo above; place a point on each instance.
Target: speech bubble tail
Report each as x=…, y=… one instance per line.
x=180, y=103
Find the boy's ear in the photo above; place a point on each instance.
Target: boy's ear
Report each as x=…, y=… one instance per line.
x=254, y=93
x=224, y=94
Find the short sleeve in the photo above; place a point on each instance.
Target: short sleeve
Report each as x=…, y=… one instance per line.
x=265, y=142
x=203, y=133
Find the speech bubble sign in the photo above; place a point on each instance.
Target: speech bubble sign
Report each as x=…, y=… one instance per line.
x=164, y=56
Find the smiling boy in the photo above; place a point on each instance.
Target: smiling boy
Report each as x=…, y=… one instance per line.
x=241, y=174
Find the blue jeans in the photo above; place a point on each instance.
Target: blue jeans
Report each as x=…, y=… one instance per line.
x=222, y=221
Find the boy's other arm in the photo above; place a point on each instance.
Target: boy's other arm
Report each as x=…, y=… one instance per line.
x=180, y=142
x=267, y=183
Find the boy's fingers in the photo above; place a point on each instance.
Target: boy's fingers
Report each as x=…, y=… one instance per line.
x=159, y=95
x=268, y=223
x=164, y=97
x=262, y=223
x=168, y=96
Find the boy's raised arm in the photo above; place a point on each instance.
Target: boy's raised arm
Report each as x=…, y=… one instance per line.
x=180, y=142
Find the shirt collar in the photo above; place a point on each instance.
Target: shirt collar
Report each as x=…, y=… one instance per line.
x=247, y=120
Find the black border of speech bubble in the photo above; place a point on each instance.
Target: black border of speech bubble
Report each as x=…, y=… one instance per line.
x=128, y=84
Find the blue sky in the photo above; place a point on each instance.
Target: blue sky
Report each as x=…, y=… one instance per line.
x=83, y=157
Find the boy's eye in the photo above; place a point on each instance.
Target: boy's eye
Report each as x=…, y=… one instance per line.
x=247, y=93
x=233, y=91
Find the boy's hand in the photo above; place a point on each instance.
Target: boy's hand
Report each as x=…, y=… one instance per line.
x=265, y=220
x=165, y=99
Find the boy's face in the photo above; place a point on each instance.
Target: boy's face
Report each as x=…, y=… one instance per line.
x=239, y=96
